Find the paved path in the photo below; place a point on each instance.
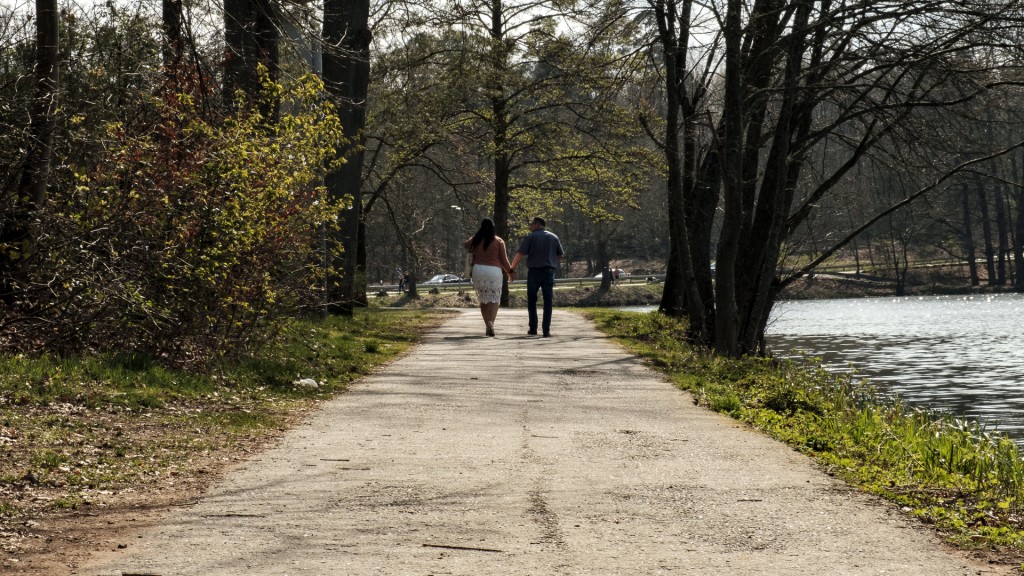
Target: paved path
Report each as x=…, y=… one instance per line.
x=524, y=456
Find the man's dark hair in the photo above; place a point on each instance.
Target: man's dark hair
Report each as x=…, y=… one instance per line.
x=539, y=220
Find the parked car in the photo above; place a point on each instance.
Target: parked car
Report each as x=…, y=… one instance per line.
x=445, y=279
x=616, y=274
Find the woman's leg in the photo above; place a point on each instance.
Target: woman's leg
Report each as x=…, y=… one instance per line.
x=492, y=312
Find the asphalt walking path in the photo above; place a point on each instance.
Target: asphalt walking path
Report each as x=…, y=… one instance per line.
x=520, y=455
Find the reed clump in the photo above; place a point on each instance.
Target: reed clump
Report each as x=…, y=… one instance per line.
x=953, y=473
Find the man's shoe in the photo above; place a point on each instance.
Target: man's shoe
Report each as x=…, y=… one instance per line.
x=531, y=333
x=547, y=334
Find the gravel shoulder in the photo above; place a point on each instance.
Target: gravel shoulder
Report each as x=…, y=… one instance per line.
x=524, y=455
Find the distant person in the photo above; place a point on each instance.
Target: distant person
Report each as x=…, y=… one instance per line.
x=490, y=267
x=401, y=279
x=543, y=251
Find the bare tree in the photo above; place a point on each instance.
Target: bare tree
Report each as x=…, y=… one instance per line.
x=810, y=72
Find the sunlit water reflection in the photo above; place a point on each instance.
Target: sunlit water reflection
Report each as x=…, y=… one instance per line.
x=962, y=354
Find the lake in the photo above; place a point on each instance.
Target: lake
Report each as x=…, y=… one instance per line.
x=960, y=354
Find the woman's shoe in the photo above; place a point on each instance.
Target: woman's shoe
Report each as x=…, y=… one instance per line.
x=490, y=328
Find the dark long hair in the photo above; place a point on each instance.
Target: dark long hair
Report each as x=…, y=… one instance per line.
x=485, y=234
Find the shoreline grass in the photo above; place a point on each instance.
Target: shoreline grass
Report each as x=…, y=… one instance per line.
x=948, y=472
x=77, y=432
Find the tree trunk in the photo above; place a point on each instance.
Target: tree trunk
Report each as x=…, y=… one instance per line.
x=346, y=74
x=251, y=34
x=726, y=314
x=1018, y=244
x=1002, y=234
x=35, y=174
x=360, y=294
x=680, y=295
x=174, y=42
x=765, y=231
x=986, y=230
x=502, y=175
x=673, y=296
x=500, y=132
x=17, y=234
x=967, y=237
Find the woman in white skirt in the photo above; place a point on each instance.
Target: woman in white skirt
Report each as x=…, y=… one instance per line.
x=490, y=267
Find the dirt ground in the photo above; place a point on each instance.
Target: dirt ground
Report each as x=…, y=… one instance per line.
x=55, y=543
x=507, y=455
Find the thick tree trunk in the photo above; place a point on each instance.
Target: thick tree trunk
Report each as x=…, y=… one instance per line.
x=500, y=126
x=726, y=314
x=765, y=230
x=17, y=235
x=346, y=74
x=174, y=41
x=1018, y=244
x=502, y=193
x=681, y=294
x=251, y=37
x=35, y=174
x=673, y=296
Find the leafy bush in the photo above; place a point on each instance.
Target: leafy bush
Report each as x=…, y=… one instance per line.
x=189, y=233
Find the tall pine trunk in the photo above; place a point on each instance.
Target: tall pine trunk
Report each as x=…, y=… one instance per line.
x=346, y=75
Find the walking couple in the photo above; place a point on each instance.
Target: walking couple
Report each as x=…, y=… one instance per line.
x=542, y=251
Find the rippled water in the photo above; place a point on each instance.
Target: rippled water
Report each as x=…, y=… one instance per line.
x=962, y=354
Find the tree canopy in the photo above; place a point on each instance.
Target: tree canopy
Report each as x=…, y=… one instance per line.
x=266, y=157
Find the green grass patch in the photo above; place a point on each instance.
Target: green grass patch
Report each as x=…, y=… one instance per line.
x=241, y=420
x=69, y=502
x=48, y=460
x=77, y=425
x=948, y=472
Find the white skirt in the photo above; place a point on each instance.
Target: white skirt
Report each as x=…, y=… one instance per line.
x=487, y=282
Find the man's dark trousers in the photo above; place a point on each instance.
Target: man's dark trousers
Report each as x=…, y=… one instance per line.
x=543, y=278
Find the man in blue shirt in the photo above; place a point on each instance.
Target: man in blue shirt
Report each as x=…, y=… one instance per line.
x=542, y=250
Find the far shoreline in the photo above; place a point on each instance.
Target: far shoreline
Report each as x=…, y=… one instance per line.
x=817, y=286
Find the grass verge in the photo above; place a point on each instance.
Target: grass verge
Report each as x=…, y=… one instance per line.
x=948, y=472
x=77, y=433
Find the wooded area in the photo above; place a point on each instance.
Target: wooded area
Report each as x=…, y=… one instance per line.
x=179, y=176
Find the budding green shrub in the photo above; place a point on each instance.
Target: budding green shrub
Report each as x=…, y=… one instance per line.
x=191, y=233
